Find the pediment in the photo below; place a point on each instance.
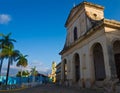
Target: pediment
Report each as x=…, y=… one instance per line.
x=71, y=14
x=90, y=11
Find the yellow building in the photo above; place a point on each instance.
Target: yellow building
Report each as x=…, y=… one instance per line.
x=53, y=73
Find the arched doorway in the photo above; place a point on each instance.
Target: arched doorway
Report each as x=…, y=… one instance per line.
x=98, y=59
x=77, y=67
x=65, y=69
x=116, y=49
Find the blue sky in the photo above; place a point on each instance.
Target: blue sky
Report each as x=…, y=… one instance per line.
x=38, y=26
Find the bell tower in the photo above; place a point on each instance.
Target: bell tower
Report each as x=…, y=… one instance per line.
x=81, y=19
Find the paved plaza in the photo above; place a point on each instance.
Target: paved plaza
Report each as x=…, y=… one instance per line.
x=50, y=88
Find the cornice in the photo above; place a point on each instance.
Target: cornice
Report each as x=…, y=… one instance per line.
x=112, y=23
x=94, y=5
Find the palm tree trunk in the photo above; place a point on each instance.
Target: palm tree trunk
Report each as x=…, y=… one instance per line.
x=21, y=76
x=1, y=65
x=21, y=72
x=8, y=68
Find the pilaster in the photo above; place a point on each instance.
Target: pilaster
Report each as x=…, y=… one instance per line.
x=111, y=59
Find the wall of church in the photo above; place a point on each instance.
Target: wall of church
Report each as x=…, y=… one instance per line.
x=93, y=57
x=78, y=21
x=84, y=49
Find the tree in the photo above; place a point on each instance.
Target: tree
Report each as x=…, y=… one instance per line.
x=2, y=56
x=4, y=41
x=18, y=74
x=11, y=55
x=24, y=73
x=22, y=61
x=34, y=73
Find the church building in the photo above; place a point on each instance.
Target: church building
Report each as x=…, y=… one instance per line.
x=91, y=53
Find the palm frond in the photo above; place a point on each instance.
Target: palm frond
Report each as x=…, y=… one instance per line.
x=1, y=40
x=9, y=34
x=25, y=55
x=1, y=34
x=13, y=40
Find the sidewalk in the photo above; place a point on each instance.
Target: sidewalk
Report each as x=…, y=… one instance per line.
x=50, y=88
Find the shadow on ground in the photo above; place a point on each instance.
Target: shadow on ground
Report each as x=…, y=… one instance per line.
x=50, y=88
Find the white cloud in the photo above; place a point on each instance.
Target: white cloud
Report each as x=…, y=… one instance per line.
x=37, y=63
x=5, y=18
x=13, y=69
x=45, y=70
x=40, y=66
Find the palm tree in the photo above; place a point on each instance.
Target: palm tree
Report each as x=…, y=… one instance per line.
x=12, y=55
x=5, y=41
x=22, y=61
x=34, y=73
x=1, y=60
x=2, y=57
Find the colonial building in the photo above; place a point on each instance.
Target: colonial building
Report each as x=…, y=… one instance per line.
x=91, y=53
x=58, y=73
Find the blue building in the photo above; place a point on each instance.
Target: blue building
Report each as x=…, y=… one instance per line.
x=40, y=78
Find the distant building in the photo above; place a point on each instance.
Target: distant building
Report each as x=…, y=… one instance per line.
x=53, y=73
x=58, y=73
x=42, y=78
x=39, y=78
x=91, y=53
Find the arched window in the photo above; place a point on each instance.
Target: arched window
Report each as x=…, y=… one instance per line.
x=75, y=34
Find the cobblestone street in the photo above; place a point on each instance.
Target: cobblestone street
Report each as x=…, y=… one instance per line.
x=55, y=89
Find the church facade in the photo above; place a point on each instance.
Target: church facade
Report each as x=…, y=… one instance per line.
x=91, y=52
